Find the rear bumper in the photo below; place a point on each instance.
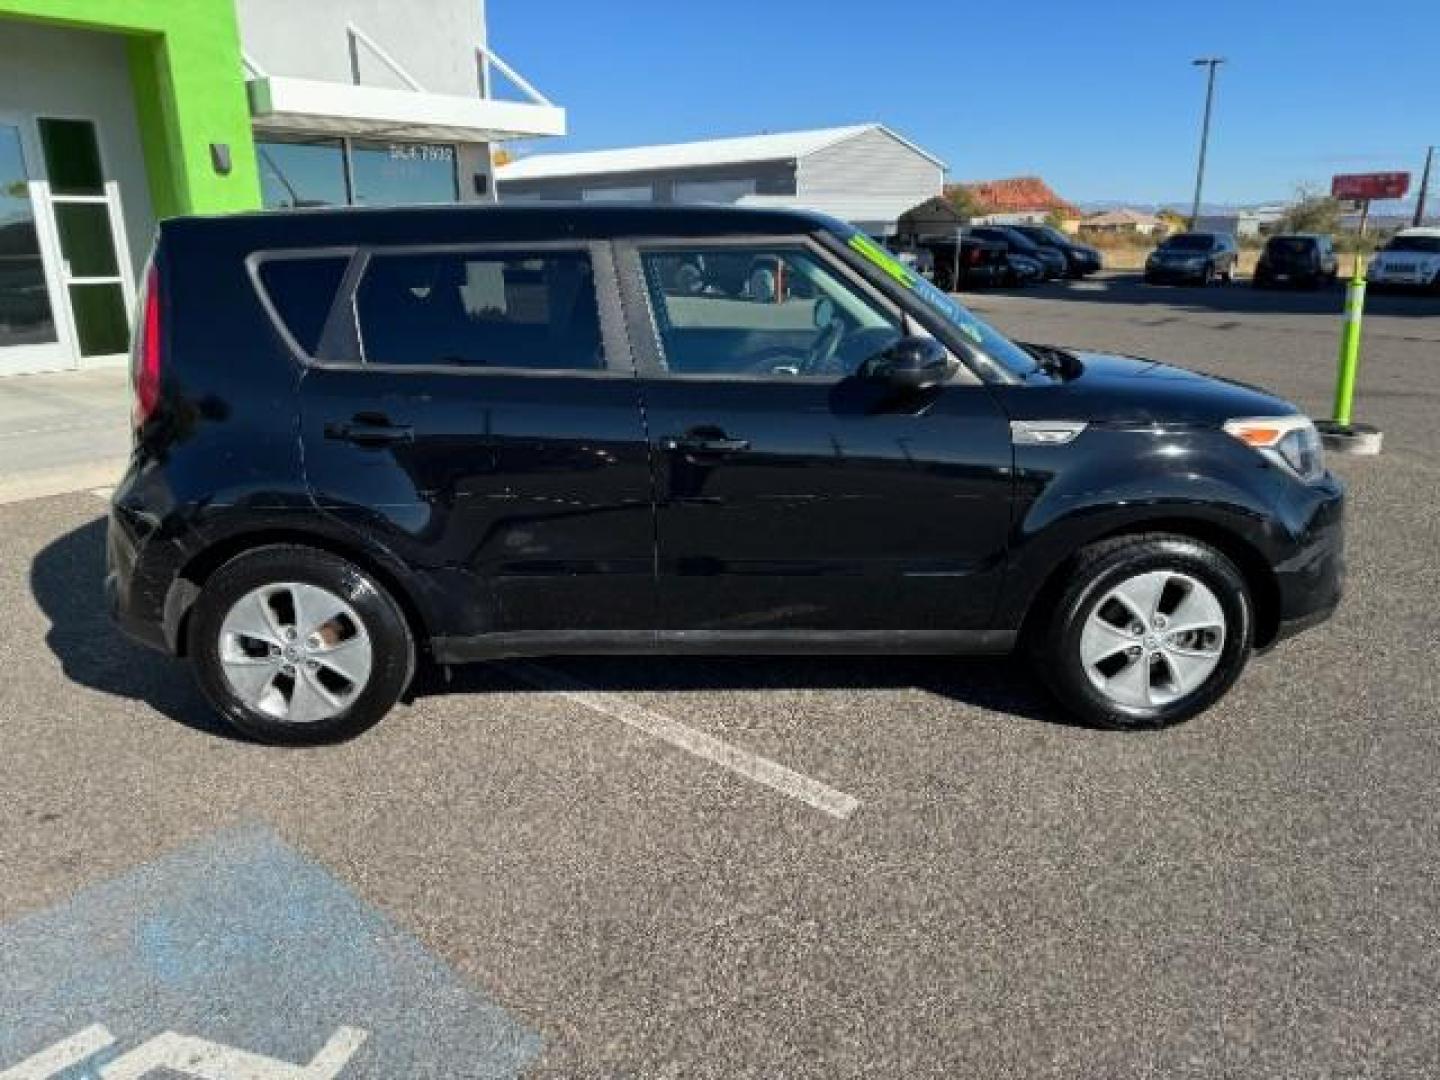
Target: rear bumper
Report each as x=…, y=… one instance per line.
x=1174, y=274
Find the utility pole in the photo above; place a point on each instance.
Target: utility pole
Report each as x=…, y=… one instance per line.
x=1211, y=62
x=1424, y=187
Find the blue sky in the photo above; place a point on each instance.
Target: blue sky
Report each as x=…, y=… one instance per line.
x=1097, y=96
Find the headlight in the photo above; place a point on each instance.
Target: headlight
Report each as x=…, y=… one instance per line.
x=1290, y=441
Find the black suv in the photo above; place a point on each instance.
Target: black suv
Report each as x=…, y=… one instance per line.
x=1197, y=257
x=1081, y=260
x=367, y=439
x=1051, y=261
x=1306, y=259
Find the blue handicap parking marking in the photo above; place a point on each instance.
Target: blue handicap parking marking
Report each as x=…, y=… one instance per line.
x=237, y=958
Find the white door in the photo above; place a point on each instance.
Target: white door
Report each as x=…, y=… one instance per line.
x=34, y=325
x=66, y=290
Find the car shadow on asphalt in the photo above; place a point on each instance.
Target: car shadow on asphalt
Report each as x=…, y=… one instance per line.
x=998, y=684
x=67, y=580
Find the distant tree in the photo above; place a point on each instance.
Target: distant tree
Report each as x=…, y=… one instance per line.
x=1311, y=211
x=1173, y=222
x=500, y=156
x=963, y=200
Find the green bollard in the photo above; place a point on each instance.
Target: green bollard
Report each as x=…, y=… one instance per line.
x=1342, y=434
x=1350, y=344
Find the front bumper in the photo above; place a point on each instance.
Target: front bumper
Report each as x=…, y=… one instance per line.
x=1175, y=273
x=1311, y=577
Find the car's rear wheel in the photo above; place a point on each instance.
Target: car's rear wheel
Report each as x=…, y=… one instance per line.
x=295, y=645
x=1149, y=631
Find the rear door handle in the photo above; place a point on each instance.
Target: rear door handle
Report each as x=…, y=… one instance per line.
x=368, y=431
x=705, y=445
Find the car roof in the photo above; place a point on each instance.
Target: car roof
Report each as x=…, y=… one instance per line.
x=489, y=223
x=1298, y=236
x=1419, y=230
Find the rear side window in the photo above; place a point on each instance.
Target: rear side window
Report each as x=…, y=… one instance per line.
x=302, y=291
x=480, y=310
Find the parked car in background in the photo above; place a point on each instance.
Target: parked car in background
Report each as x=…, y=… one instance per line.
x=980, y=263
x=1080, y=259
x=1023, y=270
x=364, y=442
x=1051, y=261
x=1411, y=259
x=1020, y=244
x=1197, y=257
x=1306, y=259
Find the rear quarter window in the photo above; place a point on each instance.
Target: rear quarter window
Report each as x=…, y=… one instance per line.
x=301, y=291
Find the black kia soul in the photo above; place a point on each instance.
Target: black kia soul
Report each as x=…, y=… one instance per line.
x=368, y=438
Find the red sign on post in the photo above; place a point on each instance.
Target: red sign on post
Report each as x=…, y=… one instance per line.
x=1378, y=185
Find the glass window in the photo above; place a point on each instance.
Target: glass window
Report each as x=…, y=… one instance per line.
x=713, y=191
x=26, y=317
x=510, y=310
x=85, y=239
x=761, y=312
x=100, y=318
x=302, y=292
x=397, y=174
x=72, y=157
x=637, y=193
x=302, y=172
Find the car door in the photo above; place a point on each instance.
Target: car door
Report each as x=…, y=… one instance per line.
x=474, y=411
x=796, y=501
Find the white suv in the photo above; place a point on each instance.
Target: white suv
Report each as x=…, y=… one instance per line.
x=1412, y=257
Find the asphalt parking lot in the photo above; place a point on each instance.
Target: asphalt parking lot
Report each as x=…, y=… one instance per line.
x=789, y=867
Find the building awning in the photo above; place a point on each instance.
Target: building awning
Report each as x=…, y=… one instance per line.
x=310, y=106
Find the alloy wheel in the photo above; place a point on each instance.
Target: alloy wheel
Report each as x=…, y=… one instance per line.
x=1153, y=639
x=295, y=652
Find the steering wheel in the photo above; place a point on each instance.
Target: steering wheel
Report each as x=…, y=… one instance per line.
x=820, y=358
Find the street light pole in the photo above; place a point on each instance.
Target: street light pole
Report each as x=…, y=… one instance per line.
x=1211, y=62
x=1424, y=187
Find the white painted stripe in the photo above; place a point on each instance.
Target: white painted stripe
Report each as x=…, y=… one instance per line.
x=657, y=725
x=61, y=1056
x=205, y=1060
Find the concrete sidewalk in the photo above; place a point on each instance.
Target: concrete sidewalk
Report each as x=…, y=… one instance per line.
x=62, y=432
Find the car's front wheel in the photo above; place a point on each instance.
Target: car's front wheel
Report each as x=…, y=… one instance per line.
x=295, y=645
x=1148, y=631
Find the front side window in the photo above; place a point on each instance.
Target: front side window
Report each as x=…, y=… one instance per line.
x=761, y=312
x=473, y=310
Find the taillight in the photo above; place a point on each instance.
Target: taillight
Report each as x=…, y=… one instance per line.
x=145, y=373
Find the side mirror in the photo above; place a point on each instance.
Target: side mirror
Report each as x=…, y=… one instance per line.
x=912, y=363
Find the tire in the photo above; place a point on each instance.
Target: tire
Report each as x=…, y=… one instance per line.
x=273, y=591
x=1058, y=645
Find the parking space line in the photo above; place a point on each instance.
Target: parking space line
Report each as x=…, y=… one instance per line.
x=64, y=1055
x=762, y=770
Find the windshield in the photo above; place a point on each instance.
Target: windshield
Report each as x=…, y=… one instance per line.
x=1290, y=245
x=983, y=337
x=1430, y=245
x=1189, y=242
x=1045, y=234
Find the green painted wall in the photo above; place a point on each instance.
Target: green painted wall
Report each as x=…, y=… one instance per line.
x=189, y=92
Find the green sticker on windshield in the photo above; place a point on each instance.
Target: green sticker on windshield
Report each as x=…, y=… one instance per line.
x=883, y=259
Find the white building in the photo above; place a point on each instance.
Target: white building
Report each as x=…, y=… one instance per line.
x=115, y=113
x=865, y=174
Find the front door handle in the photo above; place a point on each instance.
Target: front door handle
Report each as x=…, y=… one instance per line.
x=705, y=445
x=367, y=430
